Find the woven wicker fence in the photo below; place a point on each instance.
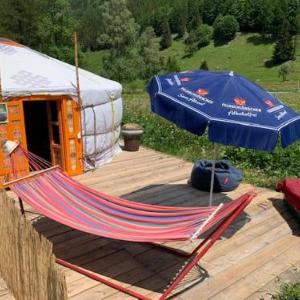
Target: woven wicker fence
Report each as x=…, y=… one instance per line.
x=26, y=261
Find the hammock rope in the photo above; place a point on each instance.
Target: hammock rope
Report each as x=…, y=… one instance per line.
x=63, y=199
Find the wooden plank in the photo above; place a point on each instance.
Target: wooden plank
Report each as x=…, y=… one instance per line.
x=116, y=175
x=139, y=176
x=151, y=286
x=132, y=184
x=224, y=279
x=247, y=285
x=247, y=249
x=4, y=292
x=136, y=163
x=188, y=246
x=231, y=255
x=291, y=275
x=253, y=232
x=132, y=272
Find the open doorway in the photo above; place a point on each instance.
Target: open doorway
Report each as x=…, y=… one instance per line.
x=42, y=125
x=36, y=126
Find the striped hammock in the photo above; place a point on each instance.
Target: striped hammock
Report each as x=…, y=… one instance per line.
x=54, y=194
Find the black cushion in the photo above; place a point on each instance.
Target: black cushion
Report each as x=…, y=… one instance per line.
x=227, y=177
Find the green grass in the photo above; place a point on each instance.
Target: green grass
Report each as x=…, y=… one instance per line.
x=288, y=292
x=92, y=61
x=246, y=55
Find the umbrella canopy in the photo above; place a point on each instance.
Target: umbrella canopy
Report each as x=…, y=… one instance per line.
x=236, y=111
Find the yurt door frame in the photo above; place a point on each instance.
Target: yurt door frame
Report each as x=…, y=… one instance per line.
x=69, y=144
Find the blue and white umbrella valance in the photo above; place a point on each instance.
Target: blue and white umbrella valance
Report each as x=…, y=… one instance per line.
x=236, y=111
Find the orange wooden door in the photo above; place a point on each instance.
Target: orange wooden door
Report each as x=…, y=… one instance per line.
x=72, y=136
x=55, y=133
x=14, y=129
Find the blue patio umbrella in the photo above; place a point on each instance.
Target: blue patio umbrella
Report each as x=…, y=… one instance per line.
x=235, y=110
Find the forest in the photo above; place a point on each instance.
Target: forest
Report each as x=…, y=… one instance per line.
x=128, y=31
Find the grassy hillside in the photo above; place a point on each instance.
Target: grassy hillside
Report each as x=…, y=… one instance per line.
x=248, y=55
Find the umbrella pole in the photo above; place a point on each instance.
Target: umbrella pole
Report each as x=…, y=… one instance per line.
x=214, y=155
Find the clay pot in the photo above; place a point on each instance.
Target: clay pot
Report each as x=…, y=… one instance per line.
x=132, y=134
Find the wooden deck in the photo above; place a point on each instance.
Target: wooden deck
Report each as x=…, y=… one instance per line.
x=260, y=246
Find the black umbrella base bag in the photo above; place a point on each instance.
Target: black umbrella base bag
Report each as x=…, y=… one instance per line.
x=227, y=177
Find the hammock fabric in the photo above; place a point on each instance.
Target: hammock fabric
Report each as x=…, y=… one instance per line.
x=57, y=196
x=61, y=198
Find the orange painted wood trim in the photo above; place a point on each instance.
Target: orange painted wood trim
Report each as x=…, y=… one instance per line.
x=65, y=136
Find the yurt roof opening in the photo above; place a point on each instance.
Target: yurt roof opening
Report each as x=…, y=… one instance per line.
x=39, y=107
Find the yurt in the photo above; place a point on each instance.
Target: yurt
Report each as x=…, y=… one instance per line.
x=39, y=107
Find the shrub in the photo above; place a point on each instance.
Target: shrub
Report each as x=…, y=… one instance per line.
x=225, y=28
x=172, y=65
x=288, y=292
x=192, y=38
x=190, y=49
x=204, y=65
x=285, y=70
x=203, y=35
x=122, y=68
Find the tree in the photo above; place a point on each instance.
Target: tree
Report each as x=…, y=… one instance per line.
x=211, y=9
x=56, y=30
x=44, y=25
x=203, y=35
x=284, y=49
x=172, y=65
x=225, y=28
x=125, y=68
x=191, y=38
x=178, y=18
x=166, y=37
x=242, y=10
x=90, y=24
x=204, y=65
x=131, y=56
x=263, y=15
x=194, y=14
x=120, y=32
x=190, y=49
x=149, y=51
x=191, y=44
x=284, y=70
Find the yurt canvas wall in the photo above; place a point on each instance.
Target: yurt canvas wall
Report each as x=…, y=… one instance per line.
x=35, y=87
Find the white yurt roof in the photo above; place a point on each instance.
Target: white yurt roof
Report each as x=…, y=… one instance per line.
x=28, y=72
x=25, y=72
